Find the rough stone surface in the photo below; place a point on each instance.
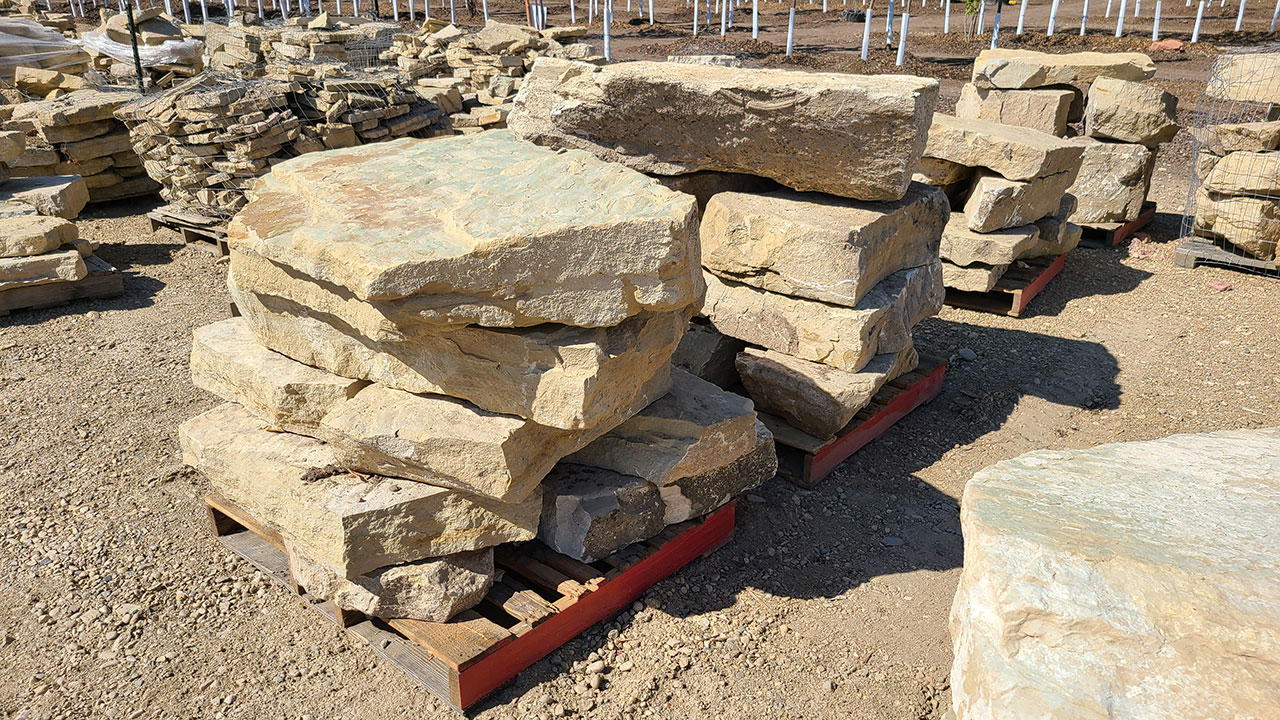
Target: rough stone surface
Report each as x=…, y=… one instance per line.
x=978, y=277
x=694, y=496
x=1020, y=69
x=80, y=107
x=1113, y=180
x=1058, y=236
x=432, y=590
x=1256, y=136
x=12, y=144
x=1250, y=223
x=997, y=202
x=480, y=229
x=61, y=266
x=708, y=354
x=847, y=135
x=1246, y=173
x=352, y=524
x=962, y=246
x=559, y=376
x=816, y=398
x=1046, y=110
x=61, y=196
x=228, y=361
x=1246, y=78
x=1130, y=112
x=1134, y=580
x=1017, y=153
x=817, y=246
x=590, y=512
x=694, y=427
x=842, y=337
x=34, y=234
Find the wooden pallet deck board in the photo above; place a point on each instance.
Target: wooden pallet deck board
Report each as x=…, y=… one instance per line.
x=1014, y=291
x=206, y=233
x=1192, y=252
x=1099, y=235
x=467, y=658
x=103, y=281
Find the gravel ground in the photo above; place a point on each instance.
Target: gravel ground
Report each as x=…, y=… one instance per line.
x=116, y=602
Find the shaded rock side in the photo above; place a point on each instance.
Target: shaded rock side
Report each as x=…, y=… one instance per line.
x=996, y=202
x=847, y=135
x=1130, y=112
x=709, y=354
x=707, y=184
x=1020, y=69
x=590, y=512
x=1017, y=153
x=978, y=277
x=696, y=495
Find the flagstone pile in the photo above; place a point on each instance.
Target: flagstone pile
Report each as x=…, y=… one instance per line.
x=1011, y=190
x=163, y=51
x=435, y=356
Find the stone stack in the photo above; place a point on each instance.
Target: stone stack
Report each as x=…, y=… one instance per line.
x=1011, y=185
x=31, y=44
x=812, y=289
x=154, y=29
x=253, y=48
x=437, y=355
x=1100, y=99
x=78, y=134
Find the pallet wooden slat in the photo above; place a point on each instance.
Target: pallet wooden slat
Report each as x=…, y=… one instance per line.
x=1013, y=291
x=1099, y=235
x=102, y=281
x=1192, y=252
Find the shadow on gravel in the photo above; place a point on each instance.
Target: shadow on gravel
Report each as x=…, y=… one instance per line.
x=1087, y=273
x=122, y=208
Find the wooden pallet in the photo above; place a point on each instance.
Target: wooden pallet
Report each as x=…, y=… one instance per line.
x=1098, y=235
x=1014, y=290
x=542, y=600
x=805, y=460
x=207, y=233
x=1192, y=252
x=103, y=281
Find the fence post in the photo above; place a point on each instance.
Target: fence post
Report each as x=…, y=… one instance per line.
x=1053, y=17
x=755, y=19
x=888, y=25
x=1275, y=15
x=1022, y=14
x=791, y=29
x=946, y=18
x=1240, y=16
x=995, y=25
x=1124, y=4
x=866, y=31
x=1195, y=34
x=1155, y=28
x=902, y=39
x=1084, y=17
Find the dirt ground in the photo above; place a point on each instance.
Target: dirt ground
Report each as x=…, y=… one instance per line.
x=115, y=602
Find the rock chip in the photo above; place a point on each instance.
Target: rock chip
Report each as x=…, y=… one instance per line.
x=1046, y=110
x=962, y=246
x=998, y=202
x=1020, y=69
x=22, y=235
x=1130, y=112
x=1017, y=153
x=59, y=266
x=590, y=512
x=61, y=196
x=846, y=135
x=1134, y=580
x=1113, y=180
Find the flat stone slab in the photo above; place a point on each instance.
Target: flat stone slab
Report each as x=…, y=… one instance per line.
x=818, y=246
x=590, y=513
x=1113, y=180
x=61, y=196
x=1020, y=69
x=12, y=144
x=844, y=338
x=978, y=277
x=1047, y=110
x=24, y=235
x=74, y=108
x=1130, y=112
x=352, y=524
x=996, y=202
x=59, y=266
x=478, y=229
x=847, y=135
x=1256, y=136
x=696, y=495
x=962, y=246
x=1245, y=78
x=1017, y=153
x=1134, y=580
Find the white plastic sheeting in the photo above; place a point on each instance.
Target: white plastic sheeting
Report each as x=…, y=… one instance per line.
x=30, y=44
x=171, y=52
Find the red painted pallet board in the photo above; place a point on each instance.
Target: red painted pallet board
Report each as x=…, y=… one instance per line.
x=1015, y=290
x=1112, y=234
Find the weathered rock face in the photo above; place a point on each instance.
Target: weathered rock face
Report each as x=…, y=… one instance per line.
x=1246, y=173
x=61, y=196
x=75, y=108
x=694, y=496
x=709, y=354
x=1113, y=180
x=228, y=361
x=1250, y=223
x=694, y=427
x=1019, y=69
x=1045, y=110
x=1130, y=112
x=1017, y=153
x=432, y=590
x=978, y=277
x=61, y=266
x=12, y=145
x=1256, y=136
x=23, y=235
x=589, y=512
x=846, y=135
x=818, y=247
x=582, y=242
x=351, y=524
x=1135, y=580
x=1245, y=77
x=842, y=337
x=997, y=202
x=962, y=246
x=559, y=376
x=1058, y=236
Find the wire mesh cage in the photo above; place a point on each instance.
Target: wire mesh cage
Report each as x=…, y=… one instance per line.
x=1233, y=203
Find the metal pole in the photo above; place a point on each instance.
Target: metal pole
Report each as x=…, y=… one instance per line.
x=133, y=40
x=1195, y=34
x=1275, y=15
x=1022, y=13
x=791, y=29
x=1084, y=17
x=1240, y=16
x=946, y=17
x=902, y=39
x=866, y=32
x=1155, y=29
x=995, y=27
x=1124, y=4
x=1053, y=17
x=888, y=25
x=755, y=19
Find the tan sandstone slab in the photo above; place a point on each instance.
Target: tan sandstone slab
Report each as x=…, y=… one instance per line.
x=978, y=277
x=1245, y=78
x=1246, y=173
x=481, y=229
x=61, y=196
x=997, y=202
x=1133, y=580
x=1113, y=180
x=1130, y=112
x=847, y=135
x=228, y=361
x=1250, y=223
x=12, y=144
x=1250, y=136
x=1017, y=153
x=34, y=234
x=842, y=337
x=818, y=246
x=1046, y=110
x=941, y=173
x=79, y=107
x=59, y=266
x=352, y=524
x=1021, y=69
x=962, y=246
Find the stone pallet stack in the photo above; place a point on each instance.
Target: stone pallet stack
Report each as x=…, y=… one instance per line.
x=35, y=45
x=154, y=28
x=812, y=290
x=1099, y=98
x=420, y=374
x=1011, y=187
x=78, y=134
x=251, y=47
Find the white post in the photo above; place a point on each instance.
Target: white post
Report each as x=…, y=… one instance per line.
x=995, y=26
x=888, y=25
x=650, y=11
x=1084, y=17
x=791, y=30
x=1108, y=13
x=724, y=18
x=168, y=8
x=204, y=12
x=395, y=10
x=1124, y=4
x=186, y=11
x=755, y=19
x=608, y=17
x=866, y=31
x=485, y=3
x=1137, y=7
x=1022, y=13
x=982, y=16
x=902, y=39
x=1155, y=28
x=946, y=17
x=1195, y=34
x=1053, y=17
x=453, y=13
x=1240, y=16
x=1275, y=15
x=695, y=17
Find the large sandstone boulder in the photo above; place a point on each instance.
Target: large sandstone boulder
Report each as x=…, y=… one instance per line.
x=978, y=277
x=1113, y=180
x=59, y=266
x=61, y=196
x=478, y=229
x=844, y=338
x=1245, y=78
x=34, y=235
x=1019, y=69
x=590, y=512
x=1130, y=112
x=998, y=202
x=1046, y=110
x=1245, y=173
x=1229, y=137
x=846, y=135
x=1135, y=580
x=1017, y=153
x=1250, y=223
x=817, y=246
x=962, y=246
x=350, y=523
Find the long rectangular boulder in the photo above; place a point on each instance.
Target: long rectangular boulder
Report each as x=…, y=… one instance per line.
x=1017, y=153
x=1011, y=69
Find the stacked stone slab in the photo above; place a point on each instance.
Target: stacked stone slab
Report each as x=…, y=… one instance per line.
x=252, y=47
x=1100, y=99
x=154, y=28
x=1134, y=580
x=426, y=334
x=1011, y=185
x=78, y=134
x=812, y=289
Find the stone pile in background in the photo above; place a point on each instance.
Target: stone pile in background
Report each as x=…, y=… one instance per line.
x=252, y=48
x=154, y=30
x=1010, y=190
x=33, y=44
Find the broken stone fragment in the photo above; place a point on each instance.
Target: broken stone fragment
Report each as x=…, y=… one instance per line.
x=1113, y=180
x=352, y=524
x=590, y=512
x=1021, y=69
x=1047, y=110
x=708, y=354
x=940, y=173
x=817, y=246
x=1017, y=153
x=846, y=135
x=978, y=277
x=696, y=495
x=58, y=266
x=22, y=235
x=1246, y=173
x=1130, y=112
x=1057, y=236
x=962, y=246
x=997, y=203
